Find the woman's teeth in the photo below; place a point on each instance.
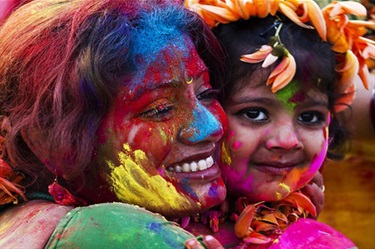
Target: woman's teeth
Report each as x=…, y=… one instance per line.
x=193, y=166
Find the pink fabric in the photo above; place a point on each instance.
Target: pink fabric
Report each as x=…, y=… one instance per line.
x=311, y=234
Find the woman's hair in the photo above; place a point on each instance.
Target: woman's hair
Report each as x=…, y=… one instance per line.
x=61, y=63
x=314, y=59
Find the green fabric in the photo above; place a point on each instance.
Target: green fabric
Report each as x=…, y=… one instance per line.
x=116, y=225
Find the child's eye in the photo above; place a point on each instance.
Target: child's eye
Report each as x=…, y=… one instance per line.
x=311, y=117
x=254, y=114
x=208, y=95
x=160, y=111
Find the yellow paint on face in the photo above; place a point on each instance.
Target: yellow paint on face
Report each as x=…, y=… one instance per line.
x=136, y=181
x=225, y=156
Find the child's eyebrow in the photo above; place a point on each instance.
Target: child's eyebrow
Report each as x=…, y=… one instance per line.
x=254, y=99
x=315, y=102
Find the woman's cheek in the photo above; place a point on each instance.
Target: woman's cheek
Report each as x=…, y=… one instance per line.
x=154, y=140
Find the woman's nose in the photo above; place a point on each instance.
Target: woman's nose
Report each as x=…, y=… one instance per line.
x=284, y=136
x=203, y=126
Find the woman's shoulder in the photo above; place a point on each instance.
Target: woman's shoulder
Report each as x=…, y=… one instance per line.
x=30, y=224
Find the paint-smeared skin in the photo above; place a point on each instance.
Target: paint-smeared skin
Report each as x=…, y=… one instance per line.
x=162, y=117
x=277, y=142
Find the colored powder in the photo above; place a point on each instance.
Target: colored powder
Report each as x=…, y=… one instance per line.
x=236, y=145
x=132, y=184
x=288, y=95
x=225, y=156
x=204, y=124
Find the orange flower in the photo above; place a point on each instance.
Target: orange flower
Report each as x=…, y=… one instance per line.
x=283, y=73
x=258, y=56
x=262, y=222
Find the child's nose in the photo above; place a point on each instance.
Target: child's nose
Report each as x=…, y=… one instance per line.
x=204, y=126
x=284, y=137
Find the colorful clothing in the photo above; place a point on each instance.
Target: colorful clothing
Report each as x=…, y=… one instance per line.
x=116, y=225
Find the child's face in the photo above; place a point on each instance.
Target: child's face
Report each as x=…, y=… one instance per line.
x=277, y=142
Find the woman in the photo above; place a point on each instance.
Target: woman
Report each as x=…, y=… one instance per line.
x=291, y=72
x=101, y=102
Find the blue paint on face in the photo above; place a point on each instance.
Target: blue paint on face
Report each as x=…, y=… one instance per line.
x=205, y=124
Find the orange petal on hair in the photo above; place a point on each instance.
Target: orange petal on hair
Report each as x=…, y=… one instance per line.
x=263, y=8
x=241, y=228
x=349, y=71
x=345, y=100
x=222, y=15
x=257, y=56
x=242, y=8
x=270, y=59
x=354, y=8
x=286, y=76
x=274, y=6
x=316, y=17
x=364, y=74
x=257, y=238
x=360, y=23
x=291, y=14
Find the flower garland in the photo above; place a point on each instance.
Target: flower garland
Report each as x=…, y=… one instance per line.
x=256, y=224
x=263, y=222
x=331, y=23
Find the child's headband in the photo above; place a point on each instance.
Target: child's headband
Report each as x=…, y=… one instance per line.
x=331, y=23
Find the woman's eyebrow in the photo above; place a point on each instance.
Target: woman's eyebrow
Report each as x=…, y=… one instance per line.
x=143, y=88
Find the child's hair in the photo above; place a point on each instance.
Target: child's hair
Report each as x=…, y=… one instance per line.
x=60, y=67
x=314, y=59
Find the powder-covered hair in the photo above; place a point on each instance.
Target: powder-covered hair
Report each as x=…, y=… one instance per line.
x=61, y=63
x=314, y=59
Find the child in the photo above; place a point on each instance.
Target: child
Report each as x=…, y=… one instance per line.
x=292, y=67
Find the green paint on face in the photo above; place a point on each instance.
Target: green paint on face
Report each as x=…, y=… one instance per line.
x=287, y=93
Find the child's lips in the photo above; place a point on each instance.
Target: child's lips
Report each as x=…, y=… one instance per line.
x=276, y=168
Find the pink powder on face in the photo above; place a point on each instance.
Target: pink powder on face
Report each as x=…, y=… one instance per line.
x=236, y=145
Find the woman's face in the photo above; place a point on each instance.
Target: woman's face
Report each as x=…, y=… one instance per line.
x=277, y=142
x=156, y=144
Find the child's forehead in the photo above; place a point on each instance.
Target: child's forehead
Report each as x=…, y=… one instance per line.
x=294, y=93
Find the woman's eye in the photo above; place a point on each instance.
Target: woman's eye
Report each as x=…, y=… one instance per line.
x=160, y=111
x=311, y=117
x=209, y=94
x=254, y=114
